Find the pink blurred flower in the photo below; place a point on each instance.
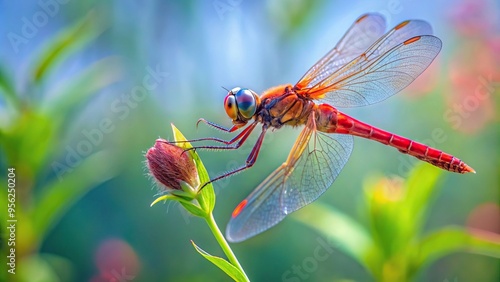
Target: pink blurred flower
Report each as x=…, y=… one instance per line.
x=473, y=17
x=116, y=261
x=470, y=98
x=474, y=67
x=484, y=221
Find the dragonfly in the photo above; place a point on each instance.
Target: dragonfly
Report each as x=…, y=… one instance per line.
x=365, y=67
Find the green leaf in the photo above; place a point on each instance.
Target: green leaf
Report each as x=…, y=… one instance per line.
x=79, y=89
x=421, y=186
x=3, y=199
x=223, y=264
x=186, y=203
x=453, y=239
x=348, y=234
x=398, y=210
x=7, y=88
x=58, y=196
x=29, y=142
x=207, y=194
x=66, y=42
x=163, y=198
x=45, y=266
x=193, y=209
x=292, y=15
x=383, y=198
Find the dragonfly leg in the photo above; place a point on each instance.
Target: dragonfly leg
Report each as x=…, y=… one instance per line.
x=227, y=142
x=241, y=138
x=214, y=125
x=249, y=162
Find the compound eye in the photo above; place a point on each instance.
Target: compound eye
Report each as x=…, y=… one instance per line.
x=234, y=90
x=231, y=107
x=246, y=102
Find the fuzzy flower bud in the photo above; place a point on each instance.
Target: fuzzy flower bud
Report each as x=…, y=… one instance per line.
x=172, y=167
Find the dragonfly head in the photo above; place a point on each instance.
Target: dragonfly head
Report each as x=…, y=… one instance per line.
x=241, y=104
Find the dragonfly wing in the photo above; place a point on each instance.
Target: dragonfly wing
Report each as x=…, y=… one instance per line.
x=387, y=67
x=386, y=76
x=316, y=169
x=361, y=35
x=259, y=211
x=312, y=166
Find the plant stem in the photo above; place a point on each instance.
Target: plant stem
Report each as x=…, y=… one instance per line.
x=223, y=244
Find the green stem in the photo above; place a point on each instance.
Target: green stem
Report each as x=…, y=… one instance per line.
x=223, y=244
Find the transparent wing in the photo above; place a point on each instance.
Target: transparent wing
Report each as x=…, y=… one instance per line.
x=312, y=166
x=386, y=76
x=361, y=35
x=387, y=67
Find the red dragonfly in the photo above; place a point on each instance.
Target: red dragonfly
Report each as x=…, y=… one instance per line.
x=364, y=68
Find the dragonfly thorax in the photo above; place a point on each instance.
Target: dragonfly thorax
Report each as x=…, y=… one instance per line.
x=241, y=104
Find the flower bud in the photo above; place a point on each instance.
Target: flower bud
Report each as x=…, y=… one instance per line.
x=172, y=167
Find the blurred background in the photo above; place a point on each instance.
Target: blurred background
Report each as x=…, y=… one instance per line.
x=87, y=87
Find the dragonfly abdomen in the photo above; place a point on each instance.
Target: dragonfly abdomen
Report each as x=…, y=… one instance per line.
x=344, y=124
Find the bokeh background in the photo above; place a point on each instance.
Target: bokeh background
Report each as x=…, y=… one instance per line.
x=87, y=87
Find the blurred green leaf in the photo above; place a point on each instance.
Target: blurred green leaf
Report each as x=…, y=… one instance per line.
x=421, y=186
x=351, y=236
x=223, y=264
x=291, y=15
x=57, y=197
x=28, y=143
x=420, y=190
x=36, y=264
x=77, y=90
x=382, y=197
x=452, y=239
x=47, y=268
x=3, y=199
x=398, y=209
x=66, y=42
x=7, y=88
